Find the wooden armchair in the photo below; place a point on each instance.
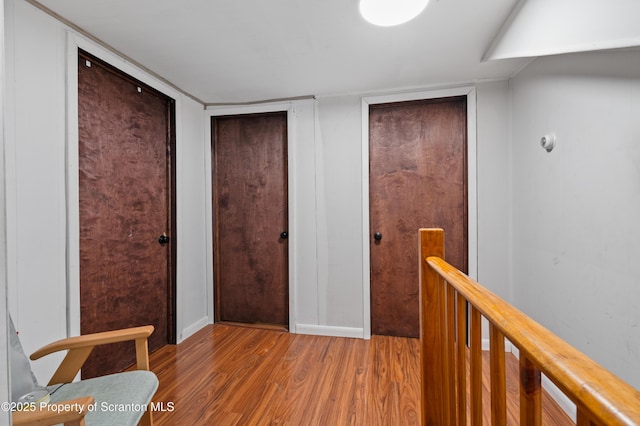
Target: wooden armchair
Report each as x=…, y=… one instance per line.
x=121, y=398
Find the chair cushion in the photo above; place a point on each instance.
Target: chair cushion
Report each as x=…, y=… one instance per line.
x=120, y=399
x=23, y=380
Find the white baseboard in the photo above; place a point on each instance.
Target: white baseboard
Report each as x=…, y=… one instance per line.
x=317, y=330
x=561, y=399
x=193, y=328
x=327, y=330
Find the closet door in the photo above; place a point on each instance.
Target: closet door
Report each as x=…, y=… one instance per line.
x=250, y=199
x=417, y=179
x=125, y=182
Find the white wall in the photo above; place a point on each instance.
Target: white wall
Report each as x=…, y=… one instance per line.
x=192, y=291
x=339, y=211
x=576, y=209
x=4, y=354
x=40, y=271
x=493, y=168
x=35, y=143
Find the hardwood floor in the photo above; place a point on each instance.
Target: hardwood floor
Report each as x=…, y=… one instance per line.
x=229, y=375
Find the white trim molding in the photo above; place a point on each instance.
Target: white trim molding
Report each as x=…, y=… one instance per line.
x=472, y=185
x=194, y=328
x=218, y=111
x=76, y=41
x=327, y=330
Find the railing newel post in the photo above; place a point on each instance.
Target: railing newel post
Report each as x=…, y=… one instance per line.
x=431, y=243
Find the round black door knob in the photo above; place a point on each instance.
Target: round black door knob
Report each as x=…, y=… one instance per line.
x=284, y=235
x=377, y=236
x=163, y=239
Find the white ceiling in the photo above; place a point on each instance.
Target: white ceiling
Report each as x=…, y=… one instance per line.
x=226, y=51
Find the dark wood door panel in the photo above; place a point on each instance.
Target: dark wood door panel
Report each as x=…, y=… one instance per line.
x=417, y=179
x=250, y=199
x=125, y=205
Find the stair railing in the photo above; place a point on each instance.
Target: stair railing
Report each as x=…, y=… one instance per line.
x=446, y=296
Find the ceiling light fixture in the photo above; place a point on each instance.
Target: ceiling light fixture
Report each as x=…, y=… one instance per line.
x=387, y=13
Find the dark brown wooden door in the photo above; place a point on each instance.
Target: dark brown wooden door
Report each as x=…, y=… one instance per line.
x=418, y=179
x=251, y=248
x=125, y=181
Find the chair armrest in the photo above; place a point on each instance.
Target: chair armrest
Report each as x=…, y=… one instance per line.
x=79, y=348
x=93, y=339
x=69, y=412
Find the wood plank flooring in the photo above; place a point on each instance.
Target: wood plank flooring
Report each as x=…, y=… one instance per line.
x=229, y=375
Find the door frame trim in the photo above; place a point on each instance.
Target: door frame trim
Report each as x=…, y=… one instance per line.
x=223, y=110
x=472, y=184
x=74, y=43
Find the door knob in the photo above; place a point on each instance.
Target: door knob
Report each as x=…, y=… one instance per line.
x=377, y=236
x=284, y=235
x=163, y=239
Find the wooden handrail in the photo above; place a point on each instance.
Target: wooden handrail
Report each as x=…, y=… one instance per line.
x=600, y=396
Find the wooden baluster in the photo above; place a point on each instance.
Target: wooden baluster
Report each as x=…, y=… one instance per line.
x=461, y=312
x=450, y=368
x=431, y=345
x=530, y=393
x=443, y=348
x=583, y=418
x=498, y=377
x=476, y=367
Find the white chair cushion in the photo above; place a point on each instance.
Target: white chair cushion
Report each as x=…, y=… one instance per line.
x=120, y=399
x=22, y=379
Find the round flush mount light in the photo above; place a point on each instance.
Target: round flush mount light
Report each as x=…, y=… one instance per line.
x=387, y=13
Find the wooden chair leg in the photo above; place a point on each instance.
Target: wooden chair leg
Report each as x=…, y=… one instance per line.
x=147, y=418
